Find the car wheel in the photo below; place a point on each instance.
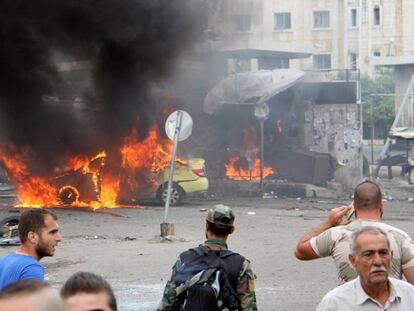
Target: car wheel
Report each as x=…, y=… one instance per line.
x=68, y=194
x=175, y=197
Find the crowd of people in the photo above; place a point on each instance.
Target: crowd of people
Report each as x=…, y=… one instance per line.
x=375, y=264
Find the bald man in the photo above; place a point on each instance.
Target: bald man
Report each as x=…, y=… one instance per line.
x=333, y=236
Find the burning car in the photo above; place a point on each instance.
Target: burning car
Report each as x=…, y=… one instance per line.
x=138, y=171
x=81, y=185
x=84, y=185
x=189, y=179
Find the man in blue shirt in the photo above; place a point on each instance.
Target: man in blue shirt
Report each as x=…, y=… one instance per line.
x=39, y=236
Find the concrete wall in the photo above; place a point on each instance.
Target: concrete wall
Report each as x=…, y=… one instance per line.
x=331, y=129
x=402, y=76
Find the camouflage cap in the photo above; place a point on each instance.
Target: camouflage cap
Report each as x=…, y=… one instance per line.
x=221, y=215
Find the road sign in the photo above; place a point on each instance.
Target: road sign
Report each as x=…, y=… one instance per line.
x=262, y=111
x=184, y=129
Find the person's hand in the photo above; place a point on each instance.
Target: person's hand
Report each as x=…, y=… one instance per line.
x=337, y=216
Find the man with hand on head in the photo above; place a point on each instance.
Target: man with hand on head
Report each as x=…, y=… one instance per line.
x=39, y=236
x=332, y=237
x=371, y=257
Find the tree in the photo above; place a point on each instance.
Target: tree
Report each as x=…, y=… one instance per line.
x=377, y=118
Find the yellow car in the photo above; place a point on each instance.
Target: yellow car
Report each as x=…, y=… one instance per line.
x=189, y=179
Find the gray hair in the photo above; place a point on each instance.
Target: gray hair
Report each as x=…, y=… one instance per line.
x=356, y=234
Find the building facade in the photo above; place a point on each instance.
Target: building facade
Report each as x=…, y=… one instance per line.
x=339, y=33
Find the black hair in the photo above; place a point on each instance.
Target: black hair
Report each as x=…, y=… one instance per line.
x=22, y=287
x=219, y=230
x=91, y=283
x=33, y=220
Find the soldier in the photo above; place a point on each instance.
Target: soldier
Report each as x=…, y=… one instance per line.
x=219, y=224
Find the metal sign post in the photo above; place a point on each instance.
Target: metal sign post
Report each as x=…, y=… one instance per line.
x=178, y=128
x=261, y=154
x=174, y=153
x=262, y=112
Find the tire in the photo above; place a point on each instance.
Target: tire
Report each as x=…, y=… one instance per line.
x=177, y=194
x=68, y=195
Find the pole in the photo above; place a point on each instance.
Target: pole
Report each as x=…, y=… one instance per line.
x=360, y=58
x=170, y=177
x=261, y=154
x=372, y=132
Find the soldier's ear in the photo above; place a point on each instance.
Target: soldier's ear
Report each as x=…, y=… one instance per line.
x=232, y=230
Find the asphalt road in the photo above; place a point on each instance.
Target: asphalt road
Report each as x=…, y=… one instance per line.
x=123, y=246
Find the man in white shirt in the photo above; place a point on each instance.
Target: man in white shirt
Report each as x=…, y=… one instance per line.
x=372, y=289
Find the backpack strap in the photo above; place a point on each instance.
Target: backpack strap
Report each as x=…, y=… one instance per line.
x=192, y=254
x=233, y=263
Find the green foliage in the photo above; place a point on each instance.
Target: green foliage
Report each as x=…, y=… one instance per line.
x=382, y=111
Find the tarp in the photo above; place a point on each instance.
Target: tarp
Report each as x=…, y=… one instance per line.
x=402, y=132
x=250, y=88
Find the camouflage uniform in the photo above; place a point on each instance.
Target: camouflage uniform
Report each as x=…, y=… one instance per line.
x=336, y=240
x=246, y=279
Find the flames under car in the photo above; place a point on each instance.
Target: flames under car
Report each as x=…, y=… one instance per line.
x=85, y=185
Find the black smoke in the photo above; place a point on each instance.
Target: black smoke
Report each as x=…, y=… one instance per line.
x=129, y=45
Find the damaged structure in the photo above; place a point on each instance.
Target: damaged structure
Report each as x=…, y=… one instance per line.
x=312, y=131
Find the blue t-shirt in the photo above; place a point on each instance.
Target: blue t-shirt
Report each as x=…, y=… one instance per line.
x=15, y=267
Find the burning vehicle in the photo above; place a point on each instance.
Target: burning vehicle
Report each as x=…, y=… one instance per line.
x=85, y=184
x=139, y=173
x=189, y=179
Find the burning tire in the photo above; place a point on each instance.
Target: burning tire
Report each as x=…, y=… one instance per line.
x=177, y=194
x=68, y=195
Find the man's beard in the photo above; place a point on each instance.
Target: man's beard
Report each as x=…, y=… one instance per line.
x=42, y=250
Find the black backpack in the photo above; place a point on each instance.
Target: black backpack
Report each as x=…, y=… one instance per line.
x=207, y=280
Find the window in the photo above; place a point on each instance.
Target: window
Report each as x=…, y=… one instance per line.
x=321, y=19
x=353, y=61
x=269, y=63
x=377, y=16
x=377, y=53
x=240, y=65
x=242, y=23
x=281, y=21
x=322, y=61
x=353, y=17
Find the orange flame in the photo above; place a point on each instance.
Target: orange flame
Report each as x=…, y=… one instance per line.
x=32, y=191
x=239, y=173
x=152, y=153
x=147, y=157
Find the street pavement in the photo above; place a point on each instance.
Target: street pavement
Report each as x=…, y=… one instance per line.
x=124, y=246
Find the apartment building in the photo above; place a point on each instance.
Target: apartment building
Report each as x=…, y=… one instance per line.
x=339, y=33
